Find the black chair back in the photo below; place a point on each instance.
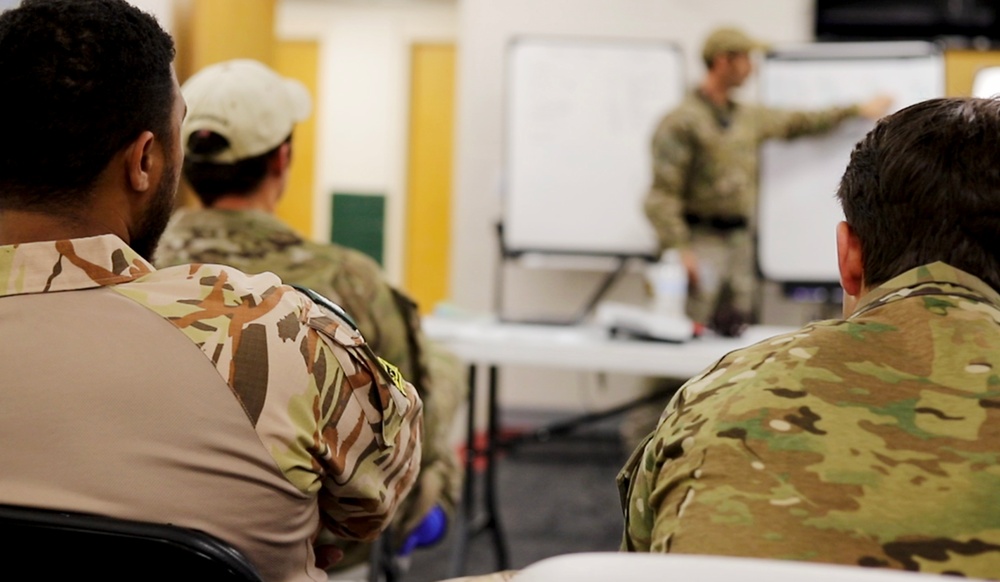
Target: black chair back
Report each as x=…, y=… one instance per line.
x=43, y=544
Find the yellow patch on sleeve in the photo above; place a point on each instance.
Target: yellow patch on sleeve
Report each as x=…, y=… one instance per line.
x=394, y=374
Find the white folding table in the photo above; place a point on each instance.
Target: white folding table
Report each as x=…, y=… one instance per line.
x=485, y=341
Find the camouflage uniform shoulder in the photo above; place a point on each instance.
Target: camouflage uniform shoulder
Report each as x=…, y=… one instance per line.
x=866, y=441
x=61, y=265
x=689, y=115
x=753, y=355
x=231, y=299
x=248, y=240
x=770, y=122
x=349, y=263
x=935, y=279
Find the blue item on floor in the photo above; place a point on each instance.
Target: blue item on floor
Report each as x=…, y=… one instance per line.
x=430, y=531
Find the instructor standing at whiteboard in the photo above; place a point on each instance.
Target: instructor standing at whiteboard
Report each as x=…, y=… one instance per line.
x=705, y=178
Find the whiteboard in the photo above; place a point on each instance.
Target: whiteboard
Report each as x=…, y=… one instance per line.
x=580, y=115
x=798, y=210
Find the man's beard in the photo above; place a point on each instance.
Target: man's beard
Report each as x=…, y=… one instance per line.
x=157, y=215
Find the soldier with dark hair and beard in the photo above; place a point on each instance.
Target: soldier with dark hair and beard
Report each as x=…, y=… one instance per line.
x=198, y=396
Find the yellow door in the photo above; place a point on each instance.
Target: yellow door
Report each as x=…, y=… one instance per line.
x=211, y=31
x=428, y=213
x=300, y=60
x=961, y=66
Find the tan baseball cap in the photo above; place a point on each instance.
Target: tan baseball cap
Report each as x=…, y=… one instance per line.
x=729, y=40
x=245, y=102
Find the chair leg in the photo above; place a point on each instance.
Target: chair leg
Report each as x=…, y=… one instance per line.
x=382, y=565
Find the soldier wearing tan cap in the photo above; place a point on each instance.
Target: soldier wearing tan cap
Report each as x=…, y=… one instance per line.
x=237, y=138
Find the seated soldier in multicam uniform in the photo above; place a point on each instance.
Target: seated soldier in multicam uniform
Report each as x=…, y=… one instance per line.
x=872, y=440
x=237, y=140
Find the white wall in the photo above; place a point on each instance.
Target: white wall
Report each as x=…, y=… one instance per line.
x=362, y=130
x=163, y=10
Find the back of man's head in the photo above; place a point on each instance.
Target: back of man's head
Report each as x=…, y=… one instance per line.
x=924, y=186
x=81, y=80
x=239, y=113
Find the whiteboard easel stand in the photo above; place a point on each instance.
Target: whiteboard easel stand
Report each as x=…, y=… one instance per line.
x=621, y=261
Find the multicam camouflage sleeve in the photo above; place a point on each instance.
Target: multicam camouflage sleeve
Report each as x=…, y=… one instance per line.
x=440, y=480
x=870, y=441
x=789, y=124
x=673, y=154
x=362, y=484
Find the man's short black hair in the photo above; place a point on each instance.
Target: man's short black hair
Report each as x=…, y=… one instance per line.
x=81, y=80
x=924, y=186
x=211, y=181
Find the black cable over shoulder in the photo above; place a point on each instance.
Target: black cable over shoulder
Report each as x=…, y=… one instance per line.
x=325, y=303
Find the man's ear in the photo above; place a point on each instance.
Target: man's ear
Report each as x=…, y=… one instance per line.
x=849, y=260
x=281, y=160
x=139, y=162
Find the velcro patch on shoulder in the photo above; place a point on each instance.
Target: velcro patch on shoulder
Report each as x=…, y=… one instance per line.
x=394, y=375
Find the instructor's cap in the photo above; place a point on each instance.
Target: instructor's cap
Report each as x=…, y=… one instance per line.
x=245, y=102
x=729, y=40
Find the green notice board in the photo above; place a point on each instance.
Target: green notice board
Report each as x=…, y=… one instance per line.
x=358, y=222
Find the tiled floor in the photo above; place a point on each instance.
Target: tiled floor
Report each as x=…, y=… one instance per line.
x=555, y=498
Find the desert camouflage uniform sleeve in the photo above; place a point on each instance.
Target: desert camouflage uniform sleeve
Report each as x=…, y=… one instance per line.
x=363, y=481
x=391, y=320
x=673, y=150
x=788, y=124
x=441, y=382
x=340, y=425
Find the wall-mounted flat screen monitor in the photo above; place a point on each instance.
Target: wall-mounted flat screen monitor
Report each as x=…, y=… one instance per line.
x=907, y=19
